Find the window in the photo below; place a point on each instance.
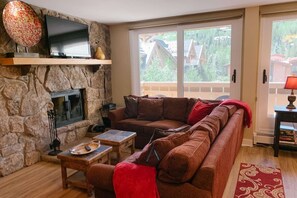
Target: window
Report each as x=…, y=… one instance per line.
x=157, y=63
x=199, y=60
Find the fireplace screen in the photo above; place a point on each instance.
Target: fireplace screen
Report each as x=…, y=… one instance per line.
x=68, y=106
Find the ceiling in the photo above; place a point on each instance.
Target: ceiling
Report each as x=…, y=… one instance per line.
x=120, y=11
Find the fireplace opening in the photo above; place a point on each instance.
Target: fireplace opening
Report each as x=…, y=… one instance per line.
x=68, y=106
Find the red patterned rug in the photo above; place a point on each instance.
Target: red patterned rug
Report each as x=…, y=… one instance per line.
x=258, y=181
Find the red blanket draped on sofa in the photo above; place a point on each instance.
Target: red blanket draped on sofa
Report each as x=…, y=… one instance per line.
x=135, y=181
x=245, y=106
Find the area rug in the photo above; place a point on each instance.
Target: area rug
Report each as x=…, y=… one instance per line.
x=258, y=181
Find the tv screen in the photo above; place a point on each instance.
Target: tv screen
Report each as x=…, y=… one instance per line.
x=67, y=38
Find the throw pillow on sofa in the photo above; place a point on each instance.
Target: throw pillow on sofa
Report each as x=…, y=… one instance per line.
x=199, y=111
x=175, y=108
x=154, y=152
x=131, y=103
x=150, y=109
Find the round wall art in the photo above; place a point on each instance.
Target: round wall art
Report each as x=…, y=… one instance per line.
x=22, y=23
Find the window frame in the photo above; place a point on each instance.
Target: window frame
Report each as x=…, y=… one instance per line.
x=236, y=52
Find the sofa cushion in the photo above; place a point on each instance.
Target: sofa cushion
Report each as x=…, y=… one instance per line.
x=154, y=152
x=175, y=108
x=210, y=124
x=131, y=103
x=221, y=113
x=165, y=124
x=150, y=109
x=199, y=111
x=181, y=163
x=130, y=122
x=231, y=108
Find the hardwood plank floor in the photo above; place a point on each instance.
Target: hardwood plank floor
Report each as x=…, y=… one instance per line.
x=44, y=179
x=37, y=181
x=286, y=161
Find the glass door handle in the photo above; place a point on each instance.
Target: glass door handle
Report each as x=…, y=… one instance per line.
x=264, y=77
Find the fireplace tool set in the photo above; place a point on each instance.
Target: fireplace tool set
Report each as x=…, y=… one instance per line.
x=55, y=142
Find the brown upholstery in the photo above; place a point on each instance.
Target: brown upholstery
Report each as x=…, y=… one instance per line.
x=159, y=133
x=153, y=113
x=221, y=113
x=231, y=108
x=210, y=124
x=116, y=115
x=131, y=103
x=150, y=109
x=207, y=180
x=145, y=129
x=181, y=163
x=175, y=109
x=191, y=103
x=182, y=190
x=214, y=171
x=165, y=124
x=161, y=147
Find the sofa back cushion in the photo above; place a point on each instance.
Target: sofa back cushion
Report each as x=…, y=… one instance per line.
x=150, y=109
x=221, y=113
x=231, y=108
x=175, y=108
x=181, y=163
x=211, y=125
x=131, y=103
x=154, y=152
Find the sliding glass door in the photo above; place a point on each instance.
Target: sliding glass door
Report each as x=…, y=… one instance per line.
x=199, y=60
x=212, y=60
x=278, y=59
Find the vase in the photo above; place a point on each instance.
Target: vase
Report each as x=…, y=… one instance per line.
x=99, y=54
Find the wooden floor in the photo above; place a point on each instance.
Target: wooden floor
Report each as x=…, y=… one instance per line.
x=44, y=179
x=286, y=161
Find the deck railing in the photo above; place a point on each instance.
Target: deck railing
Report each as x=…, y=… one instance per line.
x=205, y=90
x=212, y=90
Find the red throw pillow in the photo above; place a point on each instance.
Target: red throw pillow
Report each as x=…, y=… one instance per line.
x=199, y=111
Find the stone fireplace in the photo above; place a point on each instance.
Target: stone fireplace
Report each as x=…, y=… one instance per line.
x=25, y=100
x=26, y=96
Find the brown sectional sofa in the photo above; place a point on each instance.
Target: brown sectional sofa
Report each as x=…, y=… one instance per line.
x=196, y=165
x=152, y=113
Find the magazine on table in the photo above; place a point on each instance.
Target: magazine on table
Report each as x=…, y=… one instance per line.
x=288, y=135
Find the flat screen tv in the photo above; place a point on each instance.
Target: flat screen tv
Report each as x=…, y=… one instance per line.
x=67, y=39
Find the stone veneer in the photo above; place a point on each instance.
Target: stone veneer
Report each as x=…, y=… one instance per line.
x=25, y=97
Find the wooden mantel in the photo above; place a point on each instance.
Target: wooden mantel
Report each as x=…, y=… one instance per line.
x=52, y=61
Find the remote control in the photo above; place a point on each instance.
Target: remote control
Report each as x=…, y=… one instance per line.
x=87, y=148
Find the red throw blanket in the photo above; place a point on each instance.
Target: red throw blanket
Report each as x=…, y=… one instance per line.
x=135, y=181
x=245, y=106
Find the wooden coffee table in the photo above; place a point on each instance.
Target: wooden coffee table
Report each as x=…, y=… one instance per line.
x=119, y=140
x=82, y=163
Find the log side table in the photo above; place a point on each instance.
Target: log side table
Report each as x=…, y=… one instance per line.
x=119, y=140
x=82, y=163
